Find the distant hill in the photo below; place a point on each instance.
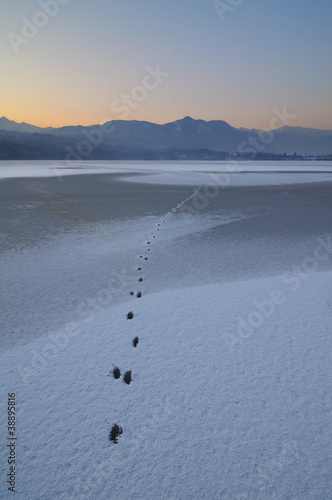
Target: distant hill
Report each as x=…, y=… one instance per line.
x=121, y=139
x=11, y=126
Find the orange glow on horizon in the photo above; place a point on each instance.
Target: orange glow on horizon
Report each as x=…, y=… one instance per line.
x=43, y=117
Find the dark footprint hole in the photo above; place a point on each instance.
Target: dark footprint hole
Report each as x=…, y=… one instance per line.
x=130, y=315
x=148, y=242
x=116, y=372
x=135, y=341
x=140, y=279
x=127, y=377
x=149, y=249
x=115, y=433
x=141, y=256
x=139, y=295
x=146, y=258
x=139, y=269
x=132, y=293
x=154, y=236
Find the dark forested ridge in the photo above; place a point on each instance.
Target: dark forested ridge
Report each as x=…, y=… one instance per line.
x=185, y=139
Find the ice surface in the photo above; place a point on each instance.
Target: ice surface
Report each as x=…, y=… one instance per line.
x=230, y=391
x=219, y=173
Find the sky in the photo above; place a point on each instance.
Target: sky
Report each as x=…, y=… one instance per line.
x=70, y=62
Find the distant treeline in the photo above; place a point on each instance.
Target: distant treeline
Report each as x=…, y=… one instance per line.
x=54, y=150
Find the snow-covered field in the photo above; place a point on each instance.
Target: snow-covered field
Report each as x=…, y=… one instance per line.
x=230, y=394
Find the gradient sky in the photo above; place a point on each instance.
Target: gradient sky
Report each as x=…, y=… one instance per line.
x=265, y=54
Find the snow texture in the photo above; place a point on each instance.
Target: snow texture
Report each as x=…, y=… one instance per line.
x=229, y=393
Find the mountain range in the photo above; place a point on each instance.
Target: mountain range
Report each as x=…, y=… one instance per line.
x=121, y=139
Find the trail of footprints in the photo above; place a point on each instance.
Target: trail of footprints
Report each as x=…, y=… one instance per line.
x=116, y=430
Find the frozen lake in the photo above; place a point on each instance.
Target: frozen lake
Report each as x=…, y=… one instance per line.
x=229, y=395
x=64, y=239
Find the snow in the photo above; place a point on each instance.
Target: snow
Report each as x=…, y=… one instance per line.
x=202, y=418
x=198, y=173
x=230, y=393
x=32, y=168
x=223, y=178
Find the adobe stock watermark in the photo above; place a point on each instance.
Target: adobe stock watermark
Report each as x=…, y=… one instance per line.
x=30, y=27
x=265, y=309
x=124, y=104
x=254, y=144
x=223, y=8
x=59, y=341
x=152, y=79
x=268, y=473
x=92, y=139
x=155, y=423
x=265, y=476
x=258, y=143
x=203, y=195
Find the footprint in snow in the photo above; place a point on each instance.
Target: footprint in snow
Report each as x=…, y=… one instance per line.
x=127, y=377
x=116, y=372
x=115, y=433
x=135, y=341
